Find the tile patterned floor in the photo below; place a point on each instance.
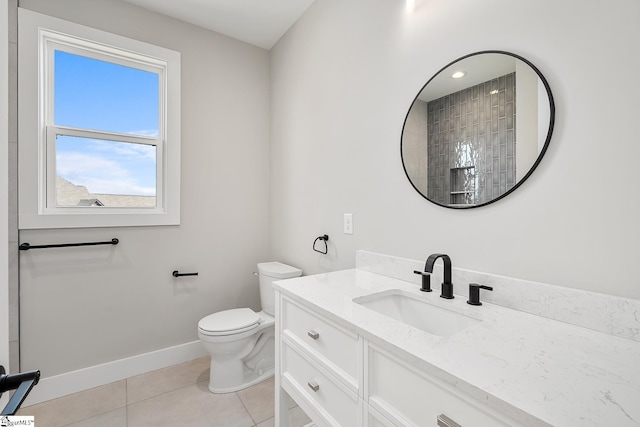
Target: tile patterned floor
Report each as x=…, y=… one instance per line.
x=174, y=396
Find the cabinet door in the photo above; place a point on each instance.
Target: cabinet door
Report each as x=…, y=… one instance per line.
x=374, y=418
x=408, y=397
x=318, y=387
x=334, y=346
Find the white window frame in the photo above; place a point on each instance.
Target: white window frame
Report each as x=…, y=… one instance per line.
x=39, y=37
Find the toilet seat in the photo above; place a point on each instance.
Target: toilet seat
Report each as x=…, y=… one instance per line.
x=229, y=322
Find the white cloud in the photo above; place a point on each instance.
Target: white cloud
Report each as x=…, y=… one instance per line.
x=100, y=175
x=126, y=150
x=145, y=132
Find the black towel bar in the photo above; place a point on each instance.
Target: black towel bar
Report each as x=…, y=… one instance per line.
x=27, y=246
x=176, y=273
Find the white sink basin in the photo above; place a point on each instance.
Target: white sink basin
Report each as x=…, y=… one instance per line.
x=416, y=312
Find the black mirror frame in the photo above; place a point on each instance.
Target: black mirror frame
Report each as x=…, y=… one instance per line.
x=552, y=114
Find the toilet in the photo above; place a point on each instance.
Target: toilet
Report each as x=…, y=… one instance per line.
x=240, y=341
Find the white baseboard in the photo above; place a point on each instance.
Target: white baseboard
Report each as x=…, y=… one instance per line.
x=94, y=376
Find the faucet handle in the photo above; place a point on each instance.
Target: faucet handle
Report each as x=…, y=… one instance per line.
x=426, y=280
x=474, y=293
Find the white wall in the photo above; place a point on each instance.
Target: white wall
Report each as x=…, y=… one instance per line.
x=4, y=187
x=342, y=81
x=85, y=306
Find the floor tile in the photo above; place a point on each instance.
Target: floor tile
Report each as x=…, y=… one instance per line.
x=297, y=418
x=191, y=406
x=116, y=418
x=78, y=406
x=168, y=397
x=158, y=382
x=260, y=401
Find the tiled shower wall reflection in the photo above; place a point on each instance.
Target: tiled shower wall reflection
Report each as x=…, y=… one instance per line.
x=471, y=143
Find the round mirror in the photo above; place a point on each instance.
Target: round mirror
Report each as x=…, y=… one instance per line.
x=477, y=129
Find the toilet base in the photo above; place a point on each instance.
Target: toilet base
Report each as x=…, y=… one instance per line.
x=251, y=378
x=257, y=364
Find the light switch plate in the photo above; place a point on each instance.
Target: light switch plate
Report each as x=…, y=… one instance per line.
x=348, y=223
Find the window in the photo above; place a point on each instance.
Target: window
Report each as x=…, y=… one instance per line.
x=99, y=128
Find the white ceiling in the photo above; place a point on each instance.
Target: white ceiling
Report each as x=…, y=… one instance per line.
x=259, y=22
x=478, y=69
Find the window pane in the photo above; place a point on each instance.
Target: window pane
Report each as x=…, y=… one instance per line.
x=93, y=172
x=99, y=95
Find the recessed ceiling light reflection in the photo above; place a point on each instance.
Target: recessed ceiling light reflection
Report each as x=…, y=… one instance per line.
x=458, y=75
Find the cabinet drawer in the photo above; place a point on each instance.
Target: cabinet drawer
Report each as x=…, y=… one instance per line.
x=374, y=418
x=338, y=346
x=329, y=397
x=410, y=398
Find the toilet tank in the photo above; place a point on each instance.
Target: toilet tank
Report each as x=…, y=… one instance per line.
x=268, y=272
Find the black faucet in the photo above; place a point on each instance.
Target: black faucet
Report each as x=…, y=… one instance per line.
x=426, y=280
x=474, y=293
x=447, y=286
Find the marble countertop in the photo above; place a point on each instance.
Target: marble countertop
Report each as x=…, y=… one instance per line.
x=538, y=371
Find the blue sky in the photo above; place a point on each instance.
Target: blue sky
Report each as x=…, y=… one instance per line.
x=99, y=95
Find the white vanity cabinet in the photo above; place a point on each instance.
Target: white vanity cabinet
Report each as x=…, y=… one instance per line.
x=373, y=418
x=340, y=379
x=319, y=364
x=377, y=368
x=408, y=397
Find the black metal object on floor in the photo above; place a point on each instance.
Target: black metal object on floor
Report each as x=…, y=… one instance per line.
x=22, y=383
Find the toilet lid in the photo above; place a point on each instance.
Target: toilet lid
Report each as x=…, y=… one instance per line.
x=237, y=319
